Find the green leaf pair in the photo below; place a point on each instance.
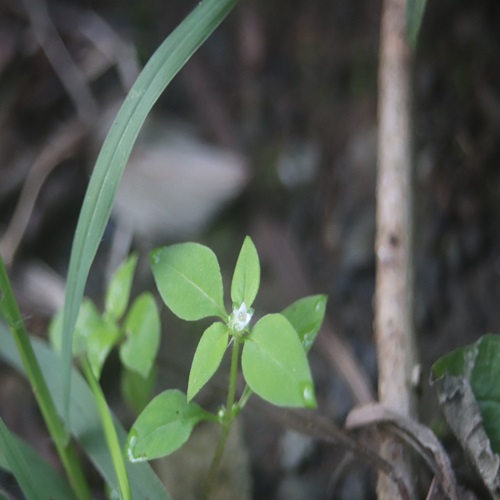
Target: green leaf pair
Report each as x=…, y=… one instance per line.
x=137, y=333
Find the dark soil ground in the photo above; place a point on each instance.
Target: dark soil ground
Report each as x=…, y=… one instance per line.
x=292, y=87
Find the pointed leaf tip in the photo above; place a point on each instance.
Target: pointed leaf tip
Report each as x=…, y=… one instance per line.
x=246, y=277
x=306, y=316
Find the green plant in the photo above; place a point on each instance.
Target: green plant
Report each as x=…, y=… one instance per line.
x=273, y=351
x=136, y=333
x=70, y=407
x=138, y=336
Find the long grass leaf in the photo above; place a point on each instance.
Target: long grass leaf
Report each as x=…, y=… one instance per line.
x=158, y=72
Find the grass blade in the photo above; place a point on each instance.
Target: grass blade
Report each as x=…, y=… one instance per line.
x=34, y=475
x=9, y=311
x=158, y=72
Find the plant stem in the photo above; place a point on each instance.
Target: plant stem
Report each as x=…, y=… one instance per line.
x=9, y=310
x=394, y=324
x=233, y=375
x=247, y=392
x=227, y=421
x=109, y=431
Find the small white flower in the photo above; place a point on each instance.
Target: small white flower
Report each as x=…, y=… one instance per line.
x=240, y=318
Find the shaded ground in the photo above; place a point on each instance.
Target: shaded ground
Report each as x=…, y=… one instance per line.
x=292, y=87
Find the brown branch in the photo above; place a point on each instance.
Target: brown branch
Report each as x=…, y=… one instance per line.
x=393, y=302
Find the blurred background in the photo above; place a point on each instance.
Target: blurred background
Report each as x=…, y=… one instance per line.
x=270, y=130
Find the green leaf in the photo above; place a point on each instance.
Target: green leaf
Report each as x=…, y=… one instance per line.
x=55, y=329
x=89, y=320
x=414, y=13
x=246, y=278
x=34, y=475
x=306, y=316
x=275, y=364
x=137, y=390
x=164, y=426
x=100, y=342
x=207, y=358
x=165, y=63
x=189, y=280
x=142, y=330
x=479, y=364
x=118, y=290
x=85, y=424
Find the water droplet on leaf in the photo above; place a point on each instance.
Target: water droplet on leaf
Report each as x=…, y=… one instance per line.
x=308, y=397
x=308, y=341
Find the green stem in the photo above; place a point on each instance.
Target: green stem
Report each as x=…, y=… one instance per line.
x=9, y=310
x=109, y=430
x=233, y=376
x=227, y=420
x=247, y=392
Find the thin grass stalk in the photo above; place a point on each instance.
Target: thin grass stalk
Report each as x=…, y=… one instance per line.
x=9, y=309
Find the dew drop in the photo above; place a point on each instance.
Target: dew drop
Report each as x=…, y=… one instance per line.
x=307, y=341
x=308, y=397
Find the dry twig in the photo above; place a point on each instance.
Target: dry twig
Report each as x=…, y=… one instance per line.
x=393, y=302
x=419, y=437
